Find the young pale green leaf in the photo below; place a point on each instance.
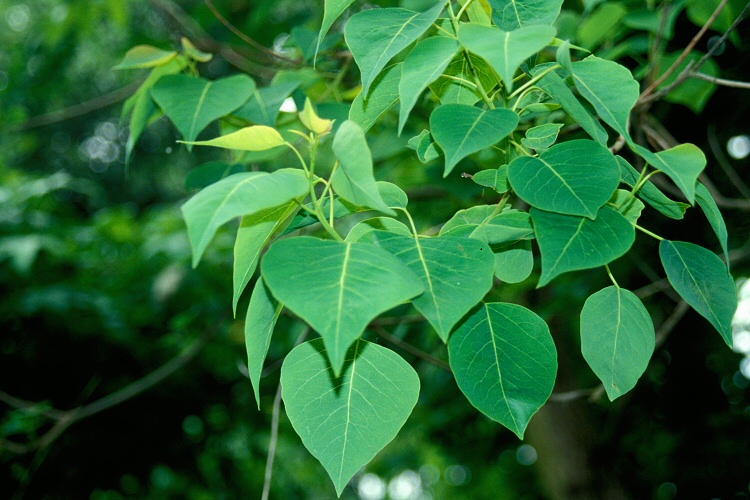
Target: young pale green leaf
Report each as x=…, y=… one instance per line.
x=510, y=15
x=461, y=130
x=239, y=194
x=345, y=420
x=456, y=273
x=383, y=95
x=145, y=56
x=542, y=136
x=505, y=50
x=683, y=164
x=495, y=178
x=458, y=86
x=554, y=86
x=364, y=231
x=424, y=146
x=713, y=214
x=312, y=121
x=374, y=36
x=610, y=88
x=570, y=243
x=260, y=321
x=192, y=103
x=617, y=338
x=514, y=262
x=575, y=178
x=627, y=204
x=253, y=235
x=505, y=363
x=264, y=104
x=650, y=193
x=193, y=52
x=424, y=64
x=354, y=180
x=338, y=288
x=332, y=9
x=703, y=280
x=255, y=138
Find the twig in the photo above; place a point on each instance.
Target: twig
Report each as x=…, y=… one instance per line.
x=720, y=81
x=411, y=349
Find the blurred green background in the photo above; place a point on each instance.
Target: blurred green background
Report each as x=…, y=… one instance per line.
x=96, y=288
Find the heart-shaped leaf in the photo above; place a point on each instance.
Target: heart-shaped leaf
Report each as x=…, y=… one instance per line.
x=513, y=14
x=461, y=130
x=338, y=288
x=514, y=262
x=260, y=321
x=702, y=279
x=683, y=164
x=505, y=363
x=569, y=243
x=345, y=420
x=574, y=178
x=617, y=338
x=192, y=103
x=542, y=136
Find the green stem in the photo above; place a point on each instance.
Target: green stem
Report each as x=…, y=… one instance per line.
x=301, y=160
x=533, y=80
x=411, y=222
x=463, y=9
x=611, y=276
x=648, y=232
x=461, y=80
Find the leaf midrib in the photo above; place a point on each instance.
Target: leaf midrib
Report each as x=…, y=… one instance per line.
x=497, y=364
x=198, y=109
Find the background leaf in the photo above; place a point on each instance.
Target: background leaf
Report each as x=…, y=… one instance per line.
x=509, y=15
x=332, y=9
x=366, y=109
x=345, y=421
x=650, y=193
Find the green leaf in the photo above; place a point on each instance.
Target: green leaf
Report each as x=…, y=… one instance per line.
x=424, y=64
x=495, y=178
x=650, y=193
x=541, y=136
x=683, y=164
x=514, y=262
x=424, y=146
x=210, y=172
x=363, y=231
x=338, y=288
x=703, y=280
x=461, y=88
x=509, y=15
x=505, y=363
x=145, y=56
x=239, y=194
x=610, y=88
x=617, y=338
x=464, y=222
x=253, y=235
x=600, y=25
x=193, y=52
x=713, y=214
x=260, y=321
x=569, y=243
x=554, y=86
x=392, y=195
x=575, y=178
x=255, y=138
x=374, y=36
x=312, y=121
x=346, y=420
x=505, y=51
x=383, y=95
x=627, y=204
x=332, y=9
x=507, y=227
x=264, y=104
x=354, y=180
x=456, y=273
x=192, y=103
x=461, y=130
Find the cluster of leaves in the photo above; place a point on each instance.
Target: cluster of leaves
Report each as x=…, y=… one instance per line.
x=498, y=77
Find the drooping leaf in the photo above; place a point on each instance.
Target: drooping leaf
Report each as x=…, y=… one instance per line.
x=713, y=214
x=460, y=89
x=461, y=130
x=255, y=138
x=554, y=86
x=374, y=36
x=364, y=230
x=610, y=88
x=495, y=178
x=575, y=178
x=345, y=421
x=505, y=363
x=627, y=204
x=253, y=235
x=210, y=172
x=650, y=193
x=382, y=97
x=683, y=164
x=570, y=243
x=192, y=103
x=332, y=9
x=354, y=180
x=513, y=14
x=264, y=104
x=514, y=262
x=424, y=64
x=617, y=338
x=145, y=56
x=239, y=194
x=456, y=273
x=260, y=321
x=193, y=52
x=338, y=288
x=505, y=50
x=703, y=280
x=542, y=136
x=424, y=146
x=312, y=121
